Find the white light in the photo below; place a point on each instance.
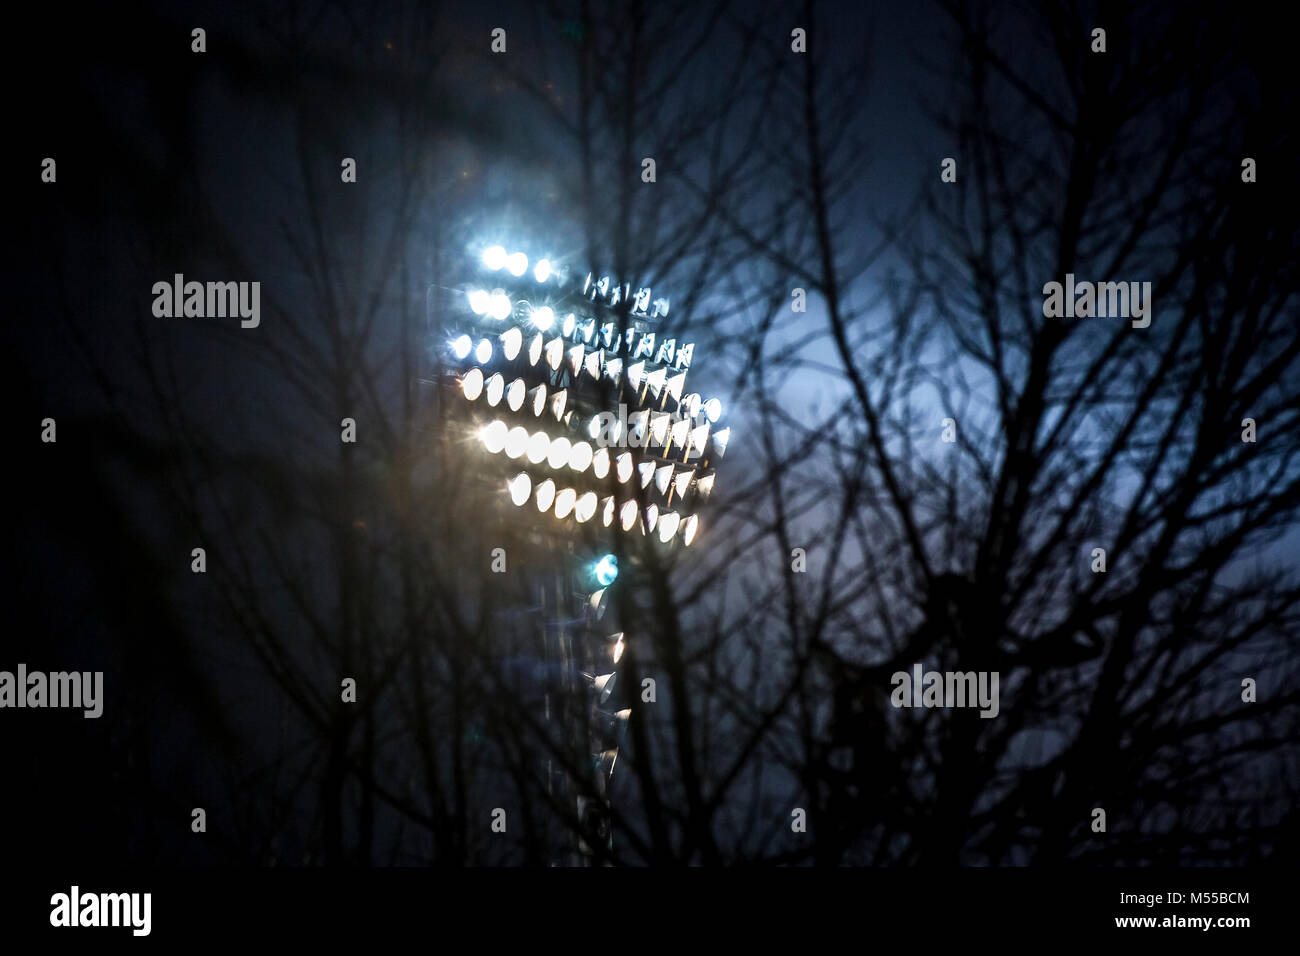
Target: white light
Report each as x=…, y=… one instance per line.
x=558, y=455
x=543, y=317
x=659, y=429
x=656, y=380
x=637, y=423
x=681, y=483
x=593, y=427
x=662, y=477
x=557, y=403
x=616, y=654
x=521, y=487
x=494, y=436
x=585, y=507
x=500, y=307
x=555, y=353
x=564, y=502
x=651, y=517
x=515, y=395
x=494, y=257
x=623, y=466
x=692, y=403
x=592, y=365
x=539, y=400
x=545, y=495
x=675, y=385
x=575, y=359
x=600, y=463
x=512, y=340
x=713, y=409
x=567, y=327
x=720, y=440
x=538, y=445
x=668, y=526
x=496, y=385
x=580, y=456
x=613, y=368
x=517, y=263
x=681, y=429
x=699, y=436
x=692, y=525
x=542, y=271
x=516, y=442
x=647, y=469
x=472, y=384
x=535, y=350
x=634, y=373
x=607, y=513
x=461, y=346
x=627, y=515
x=479, y=301
x=704, y=486
x=483, y=352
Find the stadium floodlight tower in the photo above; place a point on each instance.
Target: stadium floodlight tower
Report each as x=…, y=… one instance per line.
x=583, y=413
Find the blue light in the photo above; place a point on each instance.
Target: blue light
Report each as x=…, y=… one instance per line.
x=606, y=570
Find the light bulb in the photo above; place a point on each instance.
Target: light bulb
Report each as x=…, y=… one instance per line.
x=585, y=507
x=545, y=495
x=692, y=526
x=512, y=341
x=516, y=442
x=521, y=487
x=564, y=502
x=494, y=436
x=472, y=383
x=557, y=456
x=515, y=395
x=580, y=456
x=500, y=305
x=538, y=445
